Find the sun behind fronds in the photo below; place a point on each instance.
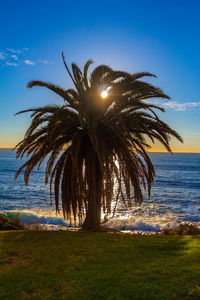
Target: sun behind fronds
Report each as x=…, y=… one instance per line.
x=96, y=147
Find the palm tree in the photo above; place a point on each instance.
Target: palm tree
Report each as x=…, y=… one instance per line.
x=96, y=142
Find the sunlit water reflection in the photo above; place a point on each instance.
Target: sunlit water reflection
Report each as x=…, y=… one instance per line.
x=175, y=195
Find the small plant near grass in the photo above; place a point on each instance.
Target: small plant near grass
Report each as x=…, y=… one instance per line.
x=34, y=226
x=8, y=224
x=182, y=229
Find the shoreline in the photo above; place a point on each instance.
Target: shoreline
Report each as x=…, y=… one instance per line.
x=134, y=225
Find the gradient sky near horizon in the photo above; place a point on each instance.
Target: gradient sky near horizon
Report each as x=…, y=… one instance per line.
x=157, y=36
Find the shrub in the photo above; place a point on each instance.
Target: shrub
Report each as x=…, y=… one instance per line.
x=182, y=229
x=35, y=226
x=7, y=224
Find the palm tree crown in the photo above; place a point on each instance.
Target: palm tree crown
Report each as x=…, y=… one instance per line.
x=96, y=147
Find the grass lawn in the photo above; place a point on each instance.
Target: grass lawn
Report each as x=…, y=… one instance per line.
x=78, y=265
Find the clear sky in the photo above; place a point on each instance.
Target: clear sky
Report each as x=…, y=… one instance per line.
x=158, y=36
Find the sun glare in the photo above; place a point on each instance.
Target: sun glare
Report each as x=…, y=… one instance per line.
x=104, y=94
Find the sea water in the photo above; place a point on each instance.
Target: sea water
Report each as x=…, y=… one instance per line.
x=175, y=195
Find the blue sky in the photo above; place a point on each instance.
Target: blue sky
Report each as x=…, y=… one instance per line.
x=161, y=37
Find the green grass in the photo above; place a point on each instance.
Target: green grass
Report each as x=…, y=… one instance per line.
x=78, y=265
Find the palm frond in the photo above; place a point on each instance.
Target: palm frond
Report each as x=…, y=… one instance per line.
x=85, y=72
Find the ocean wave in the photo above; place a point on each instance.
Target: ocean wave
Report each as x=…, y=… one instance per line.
x=36, y=216
x=51, y=221
x=143, y=223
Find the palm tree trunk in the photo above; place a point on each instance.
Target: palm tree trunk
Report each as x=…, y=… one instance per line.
x=93, y=212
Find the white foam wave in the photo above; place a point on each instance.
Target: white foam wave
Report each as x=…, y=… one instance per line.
x=126, y=222
x=42, y=216
x=143, y=224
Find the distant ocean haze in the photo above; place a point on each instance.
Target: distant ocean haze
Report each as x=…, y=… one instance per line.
x=175, y=195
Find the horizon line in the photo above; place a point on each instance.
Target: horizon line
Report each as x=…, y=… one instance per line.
x=8, y=148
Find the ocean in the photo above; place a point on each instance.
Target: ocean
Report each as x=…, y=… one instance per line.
x=175, y=195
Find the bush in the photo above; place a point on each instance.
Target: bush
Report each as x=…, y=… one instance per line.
x=182, y=229
x=34, y=226
x=7, y=224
